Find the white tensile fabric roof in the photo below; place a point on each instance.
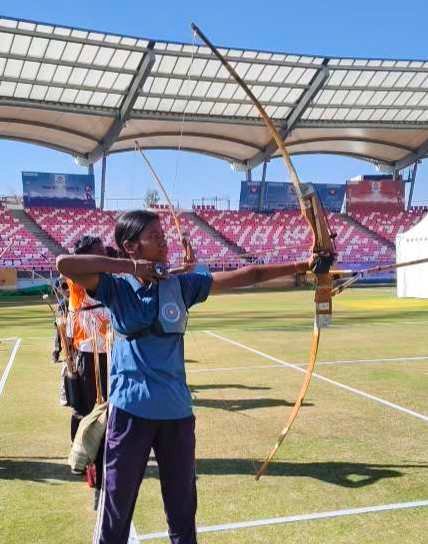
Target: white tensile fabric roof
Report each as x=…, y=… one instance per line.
x=413, y=245
x=90, y=93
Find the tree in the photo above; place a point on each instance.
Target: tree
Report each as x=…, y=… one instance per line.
x=151, y=198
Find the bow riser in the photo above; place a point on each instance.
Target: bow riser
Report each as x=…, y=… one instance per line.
x=323, y=238
x=323, y=300
x=323, y=244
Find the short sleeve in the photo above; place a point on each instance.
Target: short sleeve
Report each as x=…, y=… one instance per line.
x=195, y=287
x=105, y=289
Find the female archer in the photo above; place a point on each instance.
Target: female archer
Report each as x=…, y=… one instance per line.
x=150, y=403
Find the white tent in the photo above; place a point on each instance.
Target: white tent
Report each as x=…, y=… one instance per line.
x=412, y=281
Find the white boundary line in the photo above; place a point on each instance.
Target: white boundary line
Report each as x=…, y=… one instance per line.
x=9, y=365
x=385, y=360
x=292, y=519
x=320, y=363
x=133, y=535
x=230, y=368
x=353, y=390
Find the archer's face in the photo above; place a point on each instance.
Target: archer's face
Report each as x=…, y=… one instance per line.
x=151, y=244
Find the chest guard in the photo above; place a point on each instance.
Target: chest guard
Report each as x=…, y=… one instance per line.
x=172, y=314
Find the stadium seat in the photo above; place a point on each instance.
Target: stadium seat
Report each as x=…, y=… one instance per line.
x=284, y=236
x=66, y=226
x=363, y=238
x=26, y=252
x=388, y=224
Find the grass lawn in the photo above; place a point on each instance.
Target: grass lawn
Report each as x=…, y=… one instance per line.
x=348, y=448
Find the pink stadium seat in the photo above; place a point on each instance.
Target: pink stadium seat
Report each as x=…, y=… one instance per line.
x=389, y=224
x=362, y=238
x=207, y=248
x=66, y=226
x=285, y=236
x=27, y=252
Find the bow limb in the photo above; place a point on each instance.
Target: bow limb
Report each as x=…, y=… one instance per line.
x=298, y=403
x=183, y=239
x=5, y=249
x=323, y=243
x=268, y=121
x=309, y=203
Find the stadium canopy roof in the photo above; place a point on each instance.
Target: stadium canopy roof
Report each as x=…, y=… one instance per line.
x=89, y=94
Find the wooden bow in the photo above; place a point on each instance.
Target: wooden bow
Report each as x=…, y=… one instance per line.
x=187, y=248
x=5, y=249
x=323, y=245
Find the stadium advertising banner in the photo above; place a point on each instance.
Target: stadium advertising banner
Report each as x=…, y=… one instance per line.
x=282, y=196
x=250, y=195
x=58, y=190
x=375, y=192
x=331, y=195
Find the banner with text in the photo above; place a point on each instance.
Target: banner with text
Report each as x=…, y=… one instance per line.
x=272, y=196
x=375, y=193
x=45, y=189
x=249, y=198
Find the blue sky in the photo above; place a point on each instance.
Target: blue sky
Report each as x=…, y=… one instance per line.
x=376, y=28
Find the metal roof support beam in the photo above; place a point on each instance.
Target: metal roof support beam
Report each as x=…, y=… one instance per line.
x=127, y=105
x=103, y=182
x=413, y=157
x=314, y=87
x=412, y=185
x=262, y=190
x=274, y=103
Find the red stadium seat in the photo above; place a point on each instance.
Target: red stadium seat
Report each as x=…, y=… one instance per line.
x=27, y=251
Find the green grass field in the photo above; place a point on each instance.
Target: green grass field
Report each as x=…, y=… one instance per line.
x=346, y=451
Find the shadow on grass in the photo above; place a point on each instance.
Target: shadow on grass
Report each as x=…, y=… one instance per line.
x=196, y=388
x=352, y=475
x=237, y=405
x=241, y=405
x=34, y=470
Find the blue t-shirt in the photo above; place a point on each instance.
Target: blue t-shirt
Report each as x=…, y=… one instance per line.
x=147, y=376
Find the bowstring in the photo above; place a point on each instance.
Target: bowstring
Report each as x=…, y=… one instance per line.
x=183, y=117
x=178, y=155
x=179, y=152
x=137, y=147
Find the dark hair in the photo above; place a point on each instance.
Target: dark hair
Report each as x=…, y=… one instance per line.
x=130, y=225
x=112, y=252
x=85, y=244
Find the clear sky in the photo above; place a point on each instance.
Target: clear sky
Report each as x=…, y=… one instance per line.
x=365, y=28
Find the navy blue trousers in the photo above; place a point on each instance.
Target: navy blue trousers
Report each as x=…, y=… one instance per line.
x=129, y=440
